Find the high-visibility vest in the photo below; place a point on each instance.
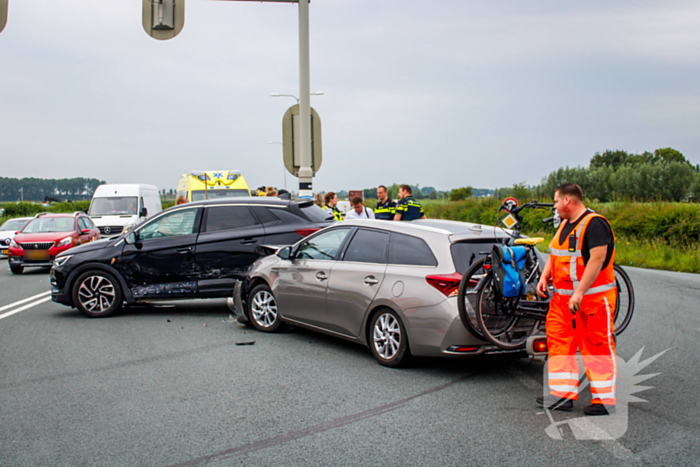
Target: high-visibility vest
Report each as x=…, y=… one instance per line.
x=385, y=211
x=568, y=265
x=335, y=212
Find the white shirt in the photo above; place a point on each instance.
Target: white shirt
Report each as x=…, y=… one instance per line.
x=366, y=213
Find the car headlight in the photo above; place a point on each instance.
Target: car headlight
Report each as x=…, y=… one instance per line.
x=61, y=260
x=65, y=241
x=13, y=244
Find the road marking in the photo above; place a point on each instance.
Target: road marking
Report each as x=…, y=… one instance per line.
x=12, y=305
x=17, y=310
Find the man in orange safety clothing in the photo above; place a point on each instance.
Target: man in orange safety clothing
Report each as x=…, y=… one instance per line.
x=581, y=312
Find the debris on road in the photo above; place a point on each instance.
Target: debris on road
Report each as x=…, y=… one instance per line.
x=246, y=343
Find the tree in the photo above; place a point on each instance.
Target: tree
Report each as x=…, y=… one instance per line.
x=458, y=194
x=433, y=195
x=521, y=192
x=610, y=158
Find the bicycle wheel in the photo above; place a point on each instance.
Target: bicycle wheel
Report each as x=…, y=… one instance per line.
x=474, y=278
x=624, y=308
x=497, y=320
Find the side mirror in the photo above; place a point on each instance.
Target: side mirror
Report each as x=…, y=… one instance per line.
x=144, y=213
x=131, y=238
x=285, y=253
x=84, y=231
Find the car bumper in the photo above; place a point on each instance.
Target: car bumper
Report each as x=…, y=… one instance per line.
x=19, y=261
x=438, y=331
x=59, y=295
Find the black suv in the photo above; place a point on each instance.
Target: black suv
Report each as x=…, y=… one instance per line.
x=194, y=250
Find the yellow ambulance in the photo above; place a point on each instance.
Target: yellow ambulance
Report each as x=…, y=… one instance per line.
x=211, y=184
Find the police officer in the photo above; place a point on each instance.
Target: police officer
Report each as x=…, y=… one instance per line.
x=582, y=310
x=331, y=206
x=386, y=208
x=407, y=209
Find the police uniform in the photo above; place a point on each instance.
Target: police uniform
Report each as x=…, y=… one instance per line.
x=335, y=212
x=385, y=211
x=593, y=330
x=409, y=209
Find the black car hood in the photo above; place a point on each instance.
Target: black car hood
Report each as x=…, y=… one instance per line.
x=96, y=245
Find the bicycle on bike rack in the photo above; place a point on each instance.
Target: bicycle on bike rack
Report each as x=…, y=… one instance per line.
x=508, y=322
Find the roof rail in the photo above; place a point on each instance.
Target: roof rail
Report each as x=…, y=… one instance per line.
x=41, y=214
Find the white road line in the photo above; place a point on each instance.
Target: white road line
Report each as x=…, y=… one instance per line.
x=12, y=305
x=10, y=313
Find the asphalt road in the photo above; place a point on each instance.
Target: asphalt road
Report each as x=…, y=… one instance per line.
x=169, y=385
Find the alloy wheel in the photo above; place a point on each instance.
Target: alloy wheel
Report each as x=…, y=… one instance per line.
x=96, y=293
x=264, y=308
x=387, y=336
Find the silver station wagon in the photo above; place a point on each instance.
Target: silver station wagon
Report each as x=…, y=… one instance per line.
x=391, y=286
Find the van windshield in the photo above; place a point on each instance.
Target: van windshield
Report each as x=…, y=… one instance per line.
x=114, y=206
x=200, y=195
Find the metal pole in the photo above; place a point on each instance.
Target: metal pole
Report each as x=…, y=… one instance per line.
x=305, y=174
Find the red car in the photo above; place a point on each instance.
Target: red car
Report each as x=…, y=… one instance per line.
x=47, y=235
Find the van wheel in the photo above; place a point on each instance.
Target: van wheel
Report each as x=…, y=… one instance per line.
x=262, y=309
x=97, y=294
x=388, y=340
x=16, y=269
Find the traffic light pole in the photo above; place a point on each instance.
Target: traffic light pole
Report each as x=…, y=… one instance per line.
x=305, y=173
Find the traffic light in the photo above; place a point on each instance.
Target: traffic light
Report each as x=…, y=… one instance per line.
x=3, y=14
x=163, y=19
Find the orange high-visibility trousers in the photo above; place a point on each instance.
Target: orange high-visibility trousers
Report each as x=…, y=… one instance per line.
x=593, y=336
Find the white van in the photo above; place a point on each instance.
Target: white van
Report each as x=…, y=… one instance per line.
x=117, y=208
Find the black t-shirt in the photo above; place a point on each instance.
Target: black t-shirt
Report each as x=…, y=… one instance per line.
x=598, y=233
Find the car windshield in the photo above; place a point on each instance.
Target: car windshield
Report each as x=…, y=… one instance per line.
x=118, y=205
x=199, y=195
x=50, y=224
x=14, y=225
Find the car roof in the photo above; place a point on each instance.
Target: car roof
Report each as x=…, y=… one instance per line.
x=456, y=231
x=59, y=214
x=267, y=200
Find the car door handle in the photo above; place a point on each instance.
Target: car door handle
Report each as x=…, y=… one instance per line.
x=184, y=250
x=248, y=241
x=370, y=280
x=321, y=276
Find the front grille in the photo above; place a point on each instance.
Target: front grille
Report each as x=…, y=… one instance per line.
x=5, y=242
x=111, y=229
x=37, y=245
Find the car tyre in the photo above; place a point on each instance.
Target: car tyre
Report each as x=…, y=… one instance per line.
x=17, y=269
x=97, y=294
x=388, y=340
x=262, y=309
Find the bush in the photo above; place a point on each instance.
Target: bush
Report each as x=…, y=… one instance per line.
x=25, y=209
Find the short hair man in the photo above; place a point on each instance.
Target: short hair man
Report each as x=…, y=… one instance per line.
x=331, y=206
x=386, y=208
x=582, y=310
x=359, y=211
x=407, y=209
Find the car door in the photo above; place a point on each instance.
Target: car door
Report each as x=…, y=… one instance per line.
x=226, y=248
x=355, y=280
x=301, y=283
x=163, y=251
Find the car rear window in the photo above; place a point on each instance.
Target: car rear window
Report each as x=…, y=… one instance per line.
x=315, y=213
x=229, y=218
x=408, y=250
x=368, y=246
x=465, y=253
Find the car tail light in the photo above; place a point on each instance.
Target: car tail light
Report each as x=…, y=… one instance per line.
x=306, y=232
x=463, y=348
x=540, y=345
x=448, y=284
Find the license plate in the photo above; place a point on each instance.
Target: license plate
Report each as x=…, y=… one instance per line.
x=40, y=255
x=4, y=252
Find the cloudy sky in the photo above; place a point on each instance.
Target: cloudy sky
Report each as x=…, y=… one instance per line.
x=441, y=93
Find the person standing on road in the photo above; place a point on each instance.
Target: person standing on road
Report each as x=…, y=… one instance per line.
x=581, y=312
x=386, y=208
x=331, y=203
x=407, y=209
x=359, y=211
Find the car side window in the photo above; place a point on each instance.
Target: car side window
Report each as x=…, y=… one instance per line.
x=228, y=218
x=180, y=222
x=368, y=246
x=89, y=223
x=264, y=214
x=323, y=246
x=409, y=250
x=82, y=224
